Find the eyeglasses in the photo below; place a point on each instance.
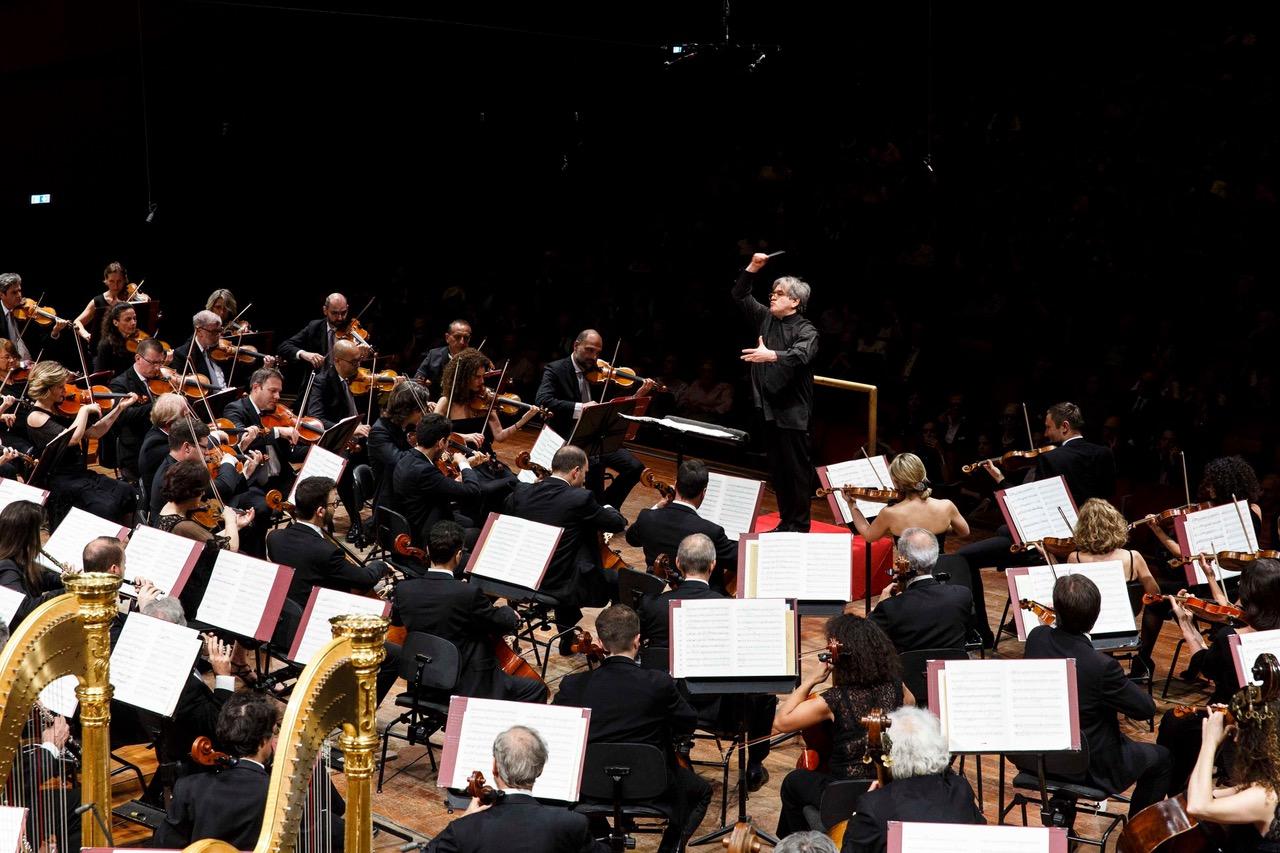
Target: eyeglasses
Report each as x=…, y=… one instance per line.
x=211, y=328
x=334, y=504
x=155, y=363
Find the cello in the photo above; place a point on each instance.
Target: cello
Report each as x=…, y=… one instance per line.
x=818, y=739
x=877, y=723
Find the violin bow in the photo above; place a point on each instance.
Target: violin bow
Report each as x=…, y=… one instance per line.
x=373, y=372
x=1186, y=484
x=1026, y=419
x=137, y=288
x=1243, y=527
x=302, y=407
x=27, y=322
x=873, y=468
x=613, y=364
x=493, y=399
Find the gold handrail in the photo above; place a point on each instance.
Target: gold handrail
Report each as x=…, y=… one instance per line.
x=873, y=399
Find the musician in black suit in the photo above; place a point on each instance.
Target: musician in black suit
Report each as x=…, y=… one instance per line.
x=923, y=788
x=437, y=603
x=166, y=409
x=423, y=495
x=661, y=528
x=456, y=339
x=566, y=392
x=516, y=823
x=313, y=344
x=195, y=355
x=634, y=705
x=919, y=611
x=575, y=575
x=187, y=439
x=695, y=561
x=279, y=444
x=331, y=400
x=228, y=804
x=1115, y=762
x=782, y=385
x=1089, y=469
x=12, y=328
x=389, y=439
x=136, y=420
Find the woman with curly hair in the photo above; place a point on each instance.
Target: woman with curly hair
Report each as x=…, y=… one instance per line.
x=1224, y=478
x=867, y=674
x=1250, y=807
x=917, y=509
x=1260, y=600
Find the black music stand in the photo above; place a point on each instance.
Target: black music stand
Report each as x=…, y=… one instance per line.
x=601, y=429
x=335, y=438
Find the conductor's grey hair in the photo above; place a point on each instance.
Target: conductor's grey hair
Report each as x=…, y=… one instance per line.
x=519, y=754
x=808, y=841
x=798, y=289
x=165, y=609
x=919, y=548
x=917, y=747
x=697, y=553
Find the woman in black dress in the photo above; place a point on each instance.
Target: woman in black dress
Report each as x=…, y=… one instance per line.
x=19, y=544
x=116, y=282
x=118, y=326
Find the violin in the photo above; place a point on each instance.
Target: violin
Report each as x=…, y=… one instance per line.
x=207, y=514
x=382, y=381
x=213, y=459
x=101, y=394
x=203, y=753
x=309, y=429
x=508, y=404
x=880, y=496
x=1239, y=561
x=1210, y=611
x=354, y=332
x=456, y=444
x=1012, y=460
x=131, y=343
x=1058, y=546
x=1204, y=711
x=1044, y=614
x=624, y=377
x=404, y=546
x=648, y=480
x=1166, y=518
x=194, y=385
x=476, y=788
x=585, y=644
x=29, y=309
x=225, y=351
x=4, y=451
x=524, y=463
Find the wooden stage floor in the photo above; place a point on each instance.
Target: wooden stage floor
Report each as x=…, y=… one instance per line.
x=413, y=800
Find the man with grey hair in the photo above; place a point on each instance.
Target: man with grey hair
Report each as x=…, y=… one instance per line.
x=195, y=355
x=918, y=611
x=923, y=788
x=11, y=328
x=806, y=842
x=782, y=386
x=516, y=822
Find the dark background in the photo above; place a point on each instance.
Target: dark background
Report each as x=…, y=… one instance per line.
x=1099, y=222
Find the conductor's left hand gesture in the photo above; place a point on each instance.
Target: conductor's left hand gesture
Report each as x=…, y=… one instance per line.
x=760, y=354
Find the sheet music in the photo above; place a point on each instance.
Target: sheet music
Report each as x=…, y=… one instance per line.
x=10, y=601
x=1005, y=705
x=805, y=566
x=515, y=550
x=1219, y=529
x=77, y=529
x=12, y=490
x=682, y=427
x=324, y=605
x=733, y=637
x=152, y=661
x=157, y=556
x=1033, y=509
x=542, y=452
x=1115, y=616
x=59, y=696
x=13, y=826
x=562, y=727
x=975, y=838
x=237, y=595
x=731, y=503
x=859, y=472
x=319, y=463
x=1252, y=644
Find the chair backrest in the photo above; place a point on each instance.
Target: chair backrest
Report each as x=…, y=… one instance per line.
x=364, y=485
x=1135, y=595
x=441, y=670
x=646, y=771
x=915, y=665
x=387, y=525
x=838, y=800
x=656, y=657
x=634, y=585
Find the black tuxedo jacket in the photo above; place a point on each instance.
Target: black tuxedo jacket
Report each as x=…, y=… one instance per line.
x=195, y=714
x=424, y=496
x=1102, y=691
x=553, y=501
x=660, y=531
x=629, y=704
x=926, y=615
x=1089, y=469
x=313, y=337
x=560, y=393
x=517, y=823
x=387, y=443
x=936, y=798
x=229, y=482
x=330, y=399
x=151, y=452
x=783, y=389
x=317, y=562
x=438, y=604
x=243, y=413
x=201, y=363
x=432, y=367
x=227, y=805
x=132, y=426
x=654, y=627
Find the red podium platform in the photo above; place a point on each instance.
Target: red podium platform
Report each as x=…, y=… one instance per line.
x=881, y=554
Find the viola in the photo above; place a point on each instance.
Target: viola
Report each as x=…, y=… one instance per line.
x=203, y=753
x=1044, y=614
x=131, y=344
x=623, y=377
x=585, y=644
x=29, y=309
x=880, y=496
x=525, y=463
x=1166, y=518
x=309, y=429
x=508, y=404
x=649, y=480
x=1012, y=460
x=1058, y=546
x=207, y=514
x=101, y=394
x=480, y=791
x=1210, y=611
x=225, y=351
x=213, y=459
x=455, y=444
x=382, y=381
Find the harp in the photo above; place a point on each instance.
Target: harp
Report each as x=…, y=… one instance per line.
x=335, y=691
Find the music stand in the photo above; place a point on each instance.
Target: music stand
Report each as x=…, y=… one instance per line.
x=219, y=401
x=49, y=458
x=601, y=430
x=335, y=438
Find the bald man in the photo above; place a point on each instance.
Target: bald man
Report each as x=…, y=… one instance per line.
x=314, y=344
x=331, y=400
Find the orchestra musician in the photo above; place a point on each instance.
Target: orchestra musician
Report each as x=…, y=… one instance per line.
x=182, y=492
x=867, y=674
x=19, y=546
x=394, y=433
x=516, y=822
x=1222, y=478
x=116, y=282
x=11, y=436
x=119, y=324
x=10, y=299
x=917, y=509
x=166, y=410
x=438, y=603
x=134, y=424
x=422, y=494
x=565, y=390
x=456, y=339
x=71, y=481
x=223, y=303
x=575, y=576
x=631, y=704
x=187, y=440
x=331, y=401
x=924, y=788
x=313, y=344
x=1089, y=469
x=662, y=527
x=782, y=385
x=918, y=611
x=195, y=355
x=1250, y=806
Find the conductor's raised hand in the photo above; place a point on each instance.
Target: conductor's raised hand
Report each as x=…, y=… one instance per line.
x=759, y=354
x=758, y=260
